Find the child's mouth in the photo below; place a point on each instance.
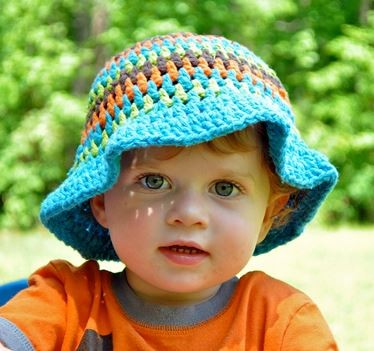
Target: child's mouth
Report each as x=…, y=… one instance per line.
x=185, y=250
x=183, y=255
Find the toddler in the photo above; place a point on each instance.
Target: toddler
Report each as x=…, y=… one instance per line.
x=189, y=164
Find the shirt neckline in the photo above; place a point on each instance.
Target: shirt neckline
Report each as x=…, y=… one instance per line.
x=153, y=314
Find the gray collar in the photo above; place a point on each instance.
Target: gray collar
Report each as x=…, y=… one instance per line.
x=173, y=316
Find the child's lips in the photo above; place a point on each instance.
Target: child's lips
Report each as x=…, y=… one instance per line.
x=184, y=253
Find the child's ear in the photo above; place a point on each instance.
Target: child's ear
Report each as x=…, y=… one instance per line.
x=97, y=204
x=276, y=204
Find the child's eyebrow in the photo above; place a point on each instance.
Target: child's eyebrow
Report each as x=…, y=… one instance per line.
x=236, y=174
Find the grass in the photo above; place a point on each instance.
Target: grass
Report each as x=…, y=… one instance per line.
x=334, y=267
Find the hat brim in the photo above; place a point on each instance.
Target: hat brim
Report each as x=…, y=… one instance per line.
x=66, y=211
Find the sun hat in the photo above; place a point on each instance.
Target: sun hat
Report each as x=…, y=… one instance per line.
x=181, y=89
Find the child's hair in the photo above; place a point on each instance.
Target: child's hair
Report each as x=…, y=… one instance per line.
x=184, y=89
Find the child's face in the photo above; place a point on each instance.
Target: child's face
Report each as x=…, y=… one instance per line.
x=184, y=222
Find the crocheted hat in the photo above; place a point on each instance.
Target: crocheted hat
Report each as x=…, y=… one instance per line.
x=181, y=89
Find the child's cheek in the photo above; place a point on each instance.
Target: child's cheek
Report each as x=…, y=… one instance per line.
x=133, y=221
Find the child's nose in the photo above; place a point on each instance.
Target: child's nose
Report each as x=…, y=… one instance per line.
x=188, y=209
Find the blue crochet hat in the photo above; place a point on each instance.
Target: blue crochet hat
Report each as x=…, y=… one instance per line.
x=181, y=89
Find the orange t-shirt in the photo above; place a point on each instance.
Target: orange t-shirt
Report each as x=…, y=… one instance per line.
x=77, y=308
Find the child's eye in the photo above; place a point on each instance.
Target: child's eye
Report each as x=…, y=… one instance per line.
x=225, y=189
x=154, y=182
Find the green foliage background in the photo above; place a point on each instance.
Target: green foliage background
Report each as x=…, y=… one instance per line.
x=50, y=51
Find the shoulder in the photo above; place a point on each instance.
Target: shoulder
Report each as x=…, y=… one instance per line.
x=63, y=270
x=268, y=295
x=63, y=275
x=290, y=318
x=66, y=266
x=262, y=283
